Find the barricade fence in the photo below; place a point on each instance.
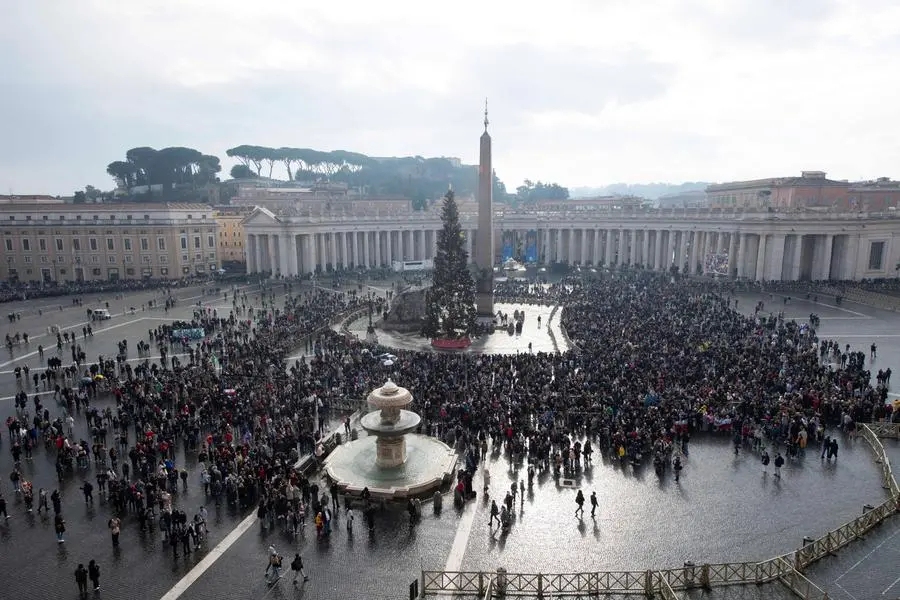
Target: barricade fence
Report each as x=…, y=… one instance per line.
x=665, y=583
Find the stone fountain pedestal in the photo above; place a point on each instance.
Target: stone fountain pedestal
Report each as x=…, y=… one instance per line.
x=390, y=461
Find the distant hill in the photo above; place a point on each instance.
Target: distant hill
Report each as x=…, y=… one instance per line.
x=651, y=191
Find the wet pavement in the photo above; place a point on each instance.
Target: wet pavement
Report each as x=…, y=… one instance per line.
x=724, y=509
x=542, y=338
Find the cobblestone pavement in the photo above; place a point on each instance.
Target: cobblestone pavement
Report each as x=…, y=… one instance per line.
x=723, y=509
x=143, y=567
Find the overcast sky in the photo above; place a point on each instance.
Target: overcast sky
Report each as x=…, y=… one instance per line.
x=581, y=92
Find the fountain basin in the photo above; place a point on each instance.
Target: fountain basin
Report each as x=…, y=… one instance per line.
x=428, y=463
x=374, y=423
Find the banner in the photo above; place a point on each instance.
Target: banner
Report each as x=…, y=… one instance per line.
x=531, y=249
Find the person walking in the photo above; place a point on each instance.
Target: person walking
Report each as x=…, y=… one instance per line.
x=579, y=500
x=350, y=517
x=94, y=574
x=114, y=525
x=81, y=577
x=59, y=524
x=3, y=507
x=779, y=462
x=765, y=461
x=495, y=514
x=88, y=490
x=593, y=504
x=297, y=568
x=677, y=467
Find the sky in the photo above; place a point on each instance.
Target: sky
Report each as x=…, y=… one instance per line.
x=580, y=92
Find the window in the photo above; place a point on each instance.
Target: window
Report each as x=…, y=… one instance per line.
x=161, y=244
x=59, y=245
x=184, y=258
x=129, y=271
x=111, y=259
x=147, y=217
x=127, y=243
x=184, y=243
x=8, y=245
x=95, y=272
x=163, y=271
x=145, y=244
x=876, y=256
x=95, y=259
x=211, y=241
x=212, y=256
x=196, y=242
x=76, y=245
x=146, y=259
x=96, y=217
x=93, y=244
x=163, y=259
x=45, y=259
x=112, y=217
x=128, y=259
x=110, y=244
x=26, y=245
x=190, y=216
x=45, y=217
x=42, y=244
x=61, y=260
x=28, y=259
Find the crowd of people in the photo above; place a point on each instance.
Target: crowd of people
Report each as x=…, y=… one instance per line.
x=656, y=359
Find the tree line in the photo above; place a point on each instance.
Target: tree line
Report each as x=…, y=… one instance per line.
x=169, y=167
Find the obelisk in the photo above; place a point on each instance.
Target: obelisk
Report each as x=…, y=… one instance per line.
x=484, y=238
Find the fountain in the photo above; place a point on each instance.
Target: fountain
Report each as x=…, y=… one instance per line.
x=405, y=464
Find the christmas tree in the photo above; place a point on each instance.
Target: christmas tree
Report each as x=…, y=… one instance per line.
x=450, y=303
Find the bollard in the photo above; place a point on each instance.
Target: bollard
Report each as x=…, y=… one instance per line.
x=648, y=584
x=689, y=574
x=704, y=576
x=500, y=582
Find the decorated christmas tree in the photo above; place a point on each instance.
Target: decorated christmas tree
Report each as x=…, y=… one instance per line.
x=450, y=303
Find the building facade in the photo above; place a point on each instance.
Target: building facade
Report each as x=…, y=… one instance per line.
x=90, y=242
x=758, y=245
x=812, y=190
x=230, y=235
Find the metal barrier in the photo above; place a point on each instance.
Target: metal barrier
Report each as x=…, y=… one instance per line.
x=800, y=585
x=787, y=569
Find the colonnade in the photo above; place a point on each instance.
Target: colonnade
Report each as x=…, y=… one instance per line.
x=750, y=254
x=292, y=254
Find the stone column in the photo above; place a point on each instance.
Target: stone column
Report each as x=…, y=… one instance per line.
x=645, y=248
x=796, y=249
x=291, y=250
x=585, y=248
x=732, y=252
x=670, y=251
x=608, y=250
x=742, y=256
x=262, y=245
x=366, y=260
x=824, y=271
x=469, y=235
x=559, y=254
x=272, y=242
x=632, y=246
x=851, y=258
x=251, y=254
x=777, y=257
x=692, y=252
x=761, y=251
x=402, y=245
x=389, y=251
x=595, y=246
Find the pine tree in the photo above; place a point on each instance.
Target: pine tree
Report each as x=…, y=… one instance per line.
x=450, y=303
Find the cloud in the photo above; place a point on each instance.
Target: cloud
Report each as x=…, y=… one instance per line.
x=581, y=92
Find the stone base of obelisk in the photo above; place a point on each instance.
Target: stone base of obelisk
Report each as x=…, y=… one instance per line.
x=390, y=452
x=484, y=304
